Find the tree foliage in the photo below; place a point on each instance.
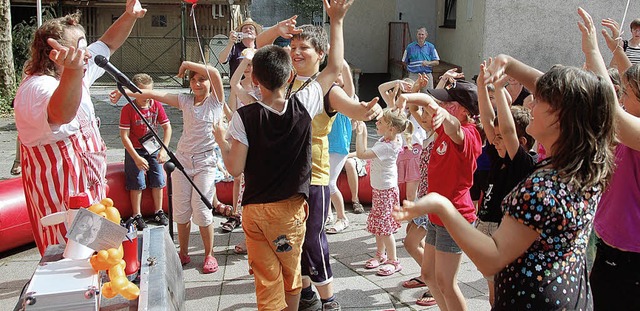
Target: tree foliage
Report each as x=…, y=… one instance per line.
x=23, y=35
x=305, y=8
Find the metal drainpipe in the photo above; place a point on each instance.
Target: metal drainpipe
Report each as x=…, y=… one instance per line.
x=183, y=39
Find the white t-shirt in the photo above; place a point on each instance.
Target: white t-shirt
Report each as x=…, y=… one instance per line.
x=384, y=171
x=32, y=100
x=197, y=131
x=311, y=98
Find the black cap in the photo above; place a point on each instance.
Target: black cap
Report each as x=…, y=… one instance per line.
x=463, y=92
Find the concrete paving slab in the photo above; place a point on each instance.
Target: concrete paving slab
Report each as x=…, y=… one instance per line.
x=231, y=288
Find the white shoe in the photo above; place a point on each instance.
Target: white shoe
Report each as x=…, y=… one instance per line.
x=330, y=219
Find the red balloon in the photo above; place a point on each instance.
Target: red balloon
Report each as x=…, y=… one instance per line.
x=191, y=1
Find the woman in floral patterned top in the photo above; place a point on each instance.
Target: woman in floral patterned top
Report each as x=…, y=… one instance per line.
x=538, y=252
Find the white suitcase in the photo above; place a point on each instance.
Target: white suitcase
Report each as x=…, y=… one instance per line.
x=63, y=285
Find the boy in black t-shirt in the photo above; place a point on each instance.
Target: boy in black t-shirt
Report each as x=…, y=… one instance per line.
x=510, y=160
x=270, y=141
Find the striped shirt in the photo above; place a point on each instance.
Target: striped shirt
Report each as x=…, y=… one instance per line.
x=415, y=54
x=633, y=54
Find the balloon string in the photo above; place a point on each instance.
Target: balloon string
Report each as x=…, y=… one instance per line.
x=195, y=26
x=623, y=18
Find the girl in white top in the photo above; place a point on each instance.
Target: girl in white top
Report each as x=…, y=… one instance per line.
x=384, y=184
x=200, y=111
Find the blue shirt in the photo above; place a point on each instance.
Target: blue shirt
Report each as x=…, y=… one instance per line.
x=340, y=135
x=415, y=54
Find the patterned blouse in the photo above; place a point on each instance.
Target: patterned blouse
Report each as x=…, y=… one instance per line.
x=551, y=274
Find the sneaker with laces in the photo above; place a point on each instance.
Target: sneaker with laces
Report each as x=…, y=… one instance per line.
x=331, y=306
x=161, y=218
x=312, y=304
x=140, y=224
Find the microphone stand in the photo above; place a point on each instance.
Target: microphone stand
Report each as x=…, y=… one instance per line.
x=172, y=156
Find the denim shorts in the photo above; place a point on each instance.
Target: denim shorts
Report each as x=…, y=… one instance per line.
x=439, y=237
x=135, y=178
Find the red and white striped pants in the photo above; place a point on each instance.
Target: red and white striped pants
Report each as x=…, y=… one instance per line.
x=53, y=172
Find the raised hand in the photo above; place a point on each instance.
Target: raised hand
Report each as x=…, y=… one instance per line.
x=248, y=53
x=134, y=8
x=401, y=102
x=182, y=70
x=495, y=68
x=614, y=40
x=501, y=82
x=374, y=111
x=439, y=115
x=287, y=28
x=588, y=29
x=337, y=9
x=114, y=96
x=423, y=80
x=453, y=74
x=233, y=37
x=66, y=57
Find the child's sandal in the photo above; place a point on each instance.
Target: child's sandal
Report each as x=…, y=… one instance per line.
x=389, y=267
x=375, y=261
x=223, y=209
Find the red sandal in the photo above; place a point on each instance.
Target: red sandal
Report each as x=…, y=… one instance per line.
x=223, y=209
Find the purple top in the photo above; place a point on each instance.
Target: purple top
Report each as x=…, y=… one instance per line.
x=617, y=219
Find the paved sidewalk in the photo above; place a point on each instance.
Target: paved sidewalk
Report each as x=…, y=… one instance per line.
x=231, y=288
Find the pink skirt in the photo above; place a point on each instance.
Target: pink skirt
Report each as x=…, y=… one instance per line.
x=380, y=221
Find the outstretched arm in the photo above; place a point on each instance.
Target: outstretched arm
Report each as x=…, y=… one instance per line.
x=285, y=29
x=504, y=64
x=487, y=115
x=439, y=115
x=449, y=77
x=167, y=98
x=628, y=126
x=224, y=54
x=236, y=86
x=347, y=79
x=614, y=43
x=362, y=151
x=505, y=118
x=343, y=103
x=389, y=90
x=119, y=31
x=489, y=253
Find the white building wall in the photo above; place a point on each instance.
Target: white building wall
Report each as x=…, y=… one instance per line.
x=366, y=34
x=545, y=32
x=463, y=45
x=419, y=13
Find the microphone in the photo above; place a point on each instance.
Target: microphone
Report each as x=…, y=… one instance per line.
x=103, y=63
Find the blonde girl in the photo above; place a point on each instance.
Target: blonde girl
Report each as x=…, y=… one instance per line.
x=384, y=184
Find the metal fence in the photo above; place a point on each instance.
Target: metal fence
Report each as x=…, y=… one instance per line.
x=160, y=57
